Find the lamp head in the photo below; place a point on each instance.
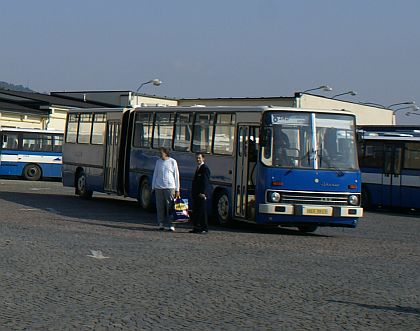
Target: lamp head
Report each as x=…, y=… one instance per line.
x=156, y=82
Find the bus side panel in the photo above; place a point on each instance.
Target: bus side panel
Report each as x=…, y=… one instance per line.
x=410, y=189
x=9, y=165
x=373, y=184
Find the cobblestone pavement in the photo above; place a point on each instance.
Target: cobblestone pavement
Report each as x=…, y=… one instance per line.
x=244, y=278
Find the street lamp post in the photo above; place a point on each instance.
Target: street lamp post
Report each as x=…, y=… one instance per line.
x=322, y=87
x=408, y=103
x=412, y=107
x=155, y=82
x=352, y=93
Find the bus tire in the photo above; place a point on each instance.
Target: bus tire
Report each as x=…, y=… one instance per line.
x=32, y=172
x=81, y=186
x=307, y=228
x=145, y=195
x=222, y=209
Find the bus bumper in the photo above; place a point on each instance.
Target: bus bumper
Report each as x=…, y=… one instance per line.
x=311, y=210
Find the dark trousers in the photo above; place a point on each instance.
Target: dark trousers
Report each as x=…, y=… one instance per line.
x=200, y=222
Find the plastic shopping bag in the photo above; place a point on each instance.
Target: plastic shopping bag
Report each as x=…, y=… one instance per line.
x=180, y=211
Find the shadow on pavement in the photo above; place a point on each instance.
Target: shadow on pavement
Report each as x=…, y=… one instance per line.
x=396, y=309
x=116, y=210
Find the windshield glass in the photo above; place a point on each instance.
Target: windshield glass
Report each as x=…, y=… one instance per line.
x=335, y=142
x=286, y=140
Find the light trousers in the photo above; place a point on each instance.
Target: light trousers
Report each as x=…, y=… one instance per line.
x=164, y=202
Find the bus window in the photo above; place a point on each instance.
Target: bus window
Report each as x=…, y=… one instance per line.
x=98, y=129
x=162, y=134
x=58, y=143
x=203, y=132
x=32, y=142
x=182, y=137
x=10, y=141
x=372, y=154
x=72, y=123
x=224, y=134
x=143, y=130
x=412, y=156
x=85, y=128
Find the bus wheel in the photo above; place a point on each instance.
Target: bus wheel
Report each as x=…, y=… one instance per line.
x=145, y=195
x=307, y=228
x=32, y=172
x=81, y=187
x=222, y=209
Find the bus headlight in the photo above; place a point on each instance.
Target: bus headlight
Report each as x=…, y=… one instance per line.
x=274, y=196
x=353, y=200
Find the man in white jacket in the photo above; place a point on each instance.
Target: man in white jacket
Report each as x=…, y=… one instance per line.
x=165, y=184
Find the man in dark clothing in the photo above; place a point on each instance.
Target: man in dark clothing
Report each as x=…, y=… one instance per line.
x=199, y=194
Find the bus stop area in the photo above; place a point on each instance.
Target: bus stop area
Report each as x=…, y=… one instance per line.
x=72, y=264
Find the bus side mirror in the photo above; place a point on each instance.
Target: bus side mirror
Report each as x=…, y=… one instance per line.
x=265, y=137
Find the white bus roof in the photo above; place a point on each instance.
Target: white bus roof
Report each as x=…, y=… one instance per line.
x=201, y=108
x=30, y=130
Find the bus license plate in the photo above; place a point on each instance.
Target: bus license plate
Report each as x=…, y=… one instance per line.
x=317, y=211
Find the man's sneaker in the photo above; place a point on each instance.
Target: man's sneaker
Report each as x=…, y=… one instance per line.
x=203, y=232
x=171, y=229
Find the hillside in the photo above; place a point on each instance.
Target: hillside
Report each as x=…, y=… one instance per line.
x=13, y=87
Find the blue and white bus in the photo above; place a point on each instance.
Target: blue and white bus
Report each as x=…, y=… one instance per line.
x=269, y=165
x=30, y=153
x=389, y=159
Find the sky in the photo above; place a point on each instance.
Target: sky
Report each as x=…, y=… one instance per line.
x=217, y=48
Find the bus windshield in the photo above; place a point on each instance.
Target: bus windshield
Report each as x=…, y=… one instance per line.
x=287, y=140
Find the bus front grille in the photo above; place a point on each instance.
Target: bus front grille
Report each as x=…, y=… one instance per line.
x=314, y=198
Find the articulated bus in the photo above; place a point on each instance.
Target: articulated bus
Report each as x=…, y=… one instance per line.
x=389, y=159
x=30, y=153
x=269, y=165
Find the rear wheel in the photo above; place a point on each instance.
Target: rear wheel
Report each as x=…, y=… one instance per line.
x=32, y=172
x=145, y=195
x=81, y=189
x=222, y=209
x=307, y=228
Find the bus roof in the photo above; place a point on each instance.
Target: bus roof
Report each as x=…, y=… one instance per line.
x=30, y=130
x=201, y=108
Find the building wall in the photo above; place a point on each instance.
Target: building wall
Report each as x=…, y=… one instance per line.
x=57, y=119
x=280, y=101
x=22, y=121
x=365, y=115
x=139, y=100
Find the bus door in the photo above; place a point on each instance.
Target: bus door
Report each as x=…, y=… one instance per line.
x=245, y=172
x=111, y=156
x=391, y=178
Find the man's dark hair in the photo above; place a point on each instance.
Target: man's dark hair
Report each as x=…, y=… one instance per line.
x=199, y=153
x=164, y=150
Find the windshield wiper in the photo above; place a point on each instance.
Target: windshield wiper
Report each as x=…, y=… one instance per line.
x=338, y=171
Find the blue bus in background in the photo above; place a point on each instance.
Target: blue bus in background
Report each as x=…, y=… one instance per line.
x=269, y=165
x=30, y=153
x=389, y=158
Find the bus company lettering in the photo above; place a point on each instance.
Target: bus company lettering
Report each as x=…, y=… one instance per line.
x=325, y=184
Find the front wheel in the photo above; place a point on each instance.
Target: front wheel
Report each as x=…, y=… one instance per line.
x=307, y=228
x=32, y=172
x=145, y=195
x=222, y=209
x=81, y=189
